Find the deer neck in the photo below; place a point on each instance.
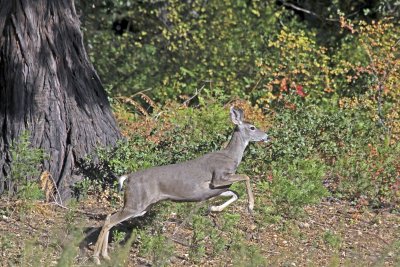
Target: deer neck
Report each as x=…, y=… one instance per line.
x=236, y=146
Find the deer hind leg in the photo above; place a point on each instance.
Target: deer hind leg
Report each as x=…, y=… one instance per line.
x=111, y=221
x=104, y=250
x=221, y=207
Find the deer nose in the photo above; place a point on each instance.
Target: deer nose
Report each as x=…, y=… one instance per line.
x=265, y=139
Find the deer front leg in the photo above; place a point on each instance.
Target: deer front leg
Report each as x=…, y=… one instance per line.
x=249, y=195
x=220, y=208
x=230, y=179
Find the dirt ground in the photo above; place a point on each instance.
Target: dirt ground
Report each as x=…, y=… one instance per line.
x=330, y=234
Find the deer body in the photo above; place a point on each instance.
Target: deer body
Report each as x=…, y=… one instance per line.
x=199, y=179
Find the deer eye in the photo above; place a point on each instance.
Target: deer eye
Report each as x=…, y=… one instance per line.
x=252, y=128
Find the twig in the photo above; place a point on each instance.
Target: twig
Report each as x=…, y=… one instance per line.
x=141, y=92
x=57, y=192
x=255, y=86
x=300, y=9
x=309, y=12
x=183, y=243
x=198, y=91
x=77, y=210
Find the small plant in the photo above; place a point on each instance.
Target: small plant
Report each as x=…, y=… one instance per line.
x=201, y=226
x=332, y=239
x=30, y=191
x=244, y=255
x=81, y=189
x=70, y=215
x=25, y=165
x=118, y=236
x=295, y=185
x=157, y=247
x=121, y=255
x=371, y=172
x=6, y=242
x=70, y=251
x=230, y=220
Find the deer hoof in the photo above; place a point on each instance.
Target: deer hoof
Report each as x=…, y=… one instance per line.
x=215, y=209
x=251, y=210
x=106, y=257
x=96, y=260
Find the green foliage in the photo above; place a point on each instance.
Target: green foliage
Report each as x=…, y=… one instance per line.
x=120, y=256
x=59, y=249
x=332, y=239
x=30, y=191
x=295, y=66
x=176, y=48
x=157, y=247
x=30, y=257
x=370, y=172
x=201, y=227
x=196, y=131
x=6, y=241
x=83, y=187
x=70, y=215
x=25, y=166
x=24, y=158
x=70, y=250
x=118, y=236
x=244, y=255
x=327, y=131
x=294, y=185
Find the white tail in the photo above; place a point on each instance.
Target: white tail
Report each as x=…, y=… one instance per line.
x=121, y=180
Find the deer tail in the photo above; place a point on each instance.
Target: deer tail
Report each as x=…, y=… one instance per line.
x=121, y=180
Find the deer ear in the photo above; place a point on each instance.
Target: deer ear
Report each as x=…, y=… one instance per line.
x=237, y=116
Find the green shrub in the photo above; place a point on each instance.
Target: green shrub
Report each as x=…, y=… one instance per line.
x=332, y=239
x=201, y=227
x=295, y=68
x=157, y=247
x=325, y=130
x=120, y=256
x=30, y=191
x=245, y=255
x=70, y=250
x=118, y=236
x=295, y=185
x=25, y=167
x=214, y=45
x=371, y=173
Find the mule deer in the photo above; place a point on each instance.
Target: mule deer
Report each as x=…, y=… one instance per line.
x=195, y=180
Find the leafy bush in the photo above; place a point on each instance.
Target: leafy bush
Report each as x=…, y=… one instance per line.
x=332, y=239
x=157, y=247
x=370, y=174
x=25, y=163
x=243, y=254
x=174, y=48
x=295, y=185
x=295, y=66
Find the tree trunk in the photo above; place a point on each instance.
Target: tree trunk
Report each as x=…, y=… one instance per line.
x=49, y=87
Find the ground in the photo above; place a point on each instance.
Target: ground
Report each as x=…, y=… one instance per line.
x=332, y=233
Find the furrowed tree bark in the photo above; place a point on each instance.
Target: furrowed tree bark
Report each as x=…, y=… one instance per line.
x=49, y=87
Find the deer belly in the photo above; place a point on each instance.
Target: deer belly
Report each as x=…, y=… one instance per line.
x=192, y=192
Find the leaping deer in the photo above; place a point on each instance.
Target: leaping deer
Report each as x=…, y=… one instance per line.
x=197, y=180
